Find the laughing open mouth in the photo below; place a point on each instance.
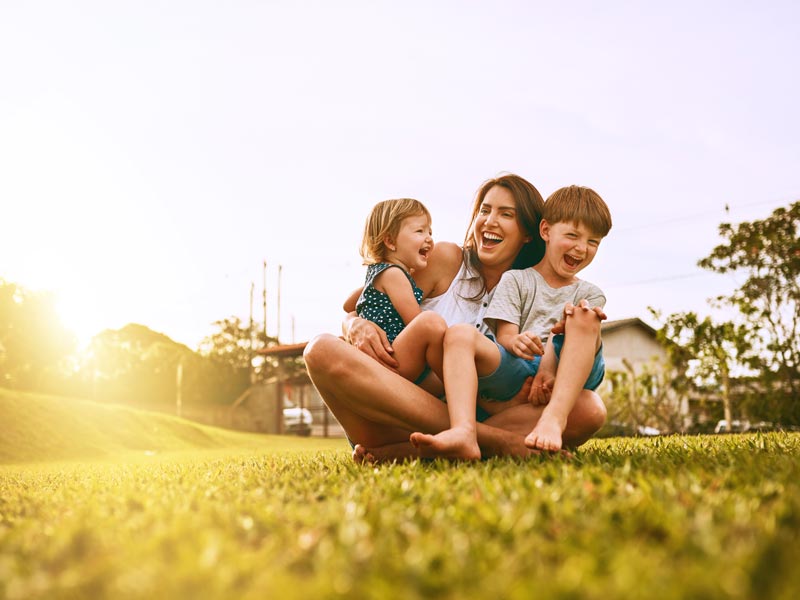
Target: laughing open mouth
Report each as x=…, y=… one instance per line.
x=572, y=262
x=490, y=239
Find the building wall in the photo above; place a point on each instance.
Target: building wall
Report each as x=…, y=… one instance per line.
x=634, y=343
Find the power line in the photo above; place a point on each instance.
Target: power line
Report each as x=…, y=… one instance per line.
x=726, y=209
x=656, y=280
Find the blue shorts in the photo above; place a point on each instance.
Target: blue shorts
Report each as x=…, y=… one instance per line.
x=507, y=379
x=504, y=383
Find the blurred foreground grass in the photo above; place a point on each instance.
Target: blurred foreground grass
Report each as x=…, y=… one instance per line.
x=677, y=517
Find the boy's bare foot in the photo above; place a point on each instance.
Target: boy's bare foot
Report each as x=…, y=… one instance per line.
x=546, y=435
x=456, y=443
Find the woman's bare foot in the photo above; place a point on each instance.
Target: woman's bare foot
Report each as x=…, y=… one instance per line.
x=546, y=435
x=385, y=454
x=361, y=455
x=457, y=443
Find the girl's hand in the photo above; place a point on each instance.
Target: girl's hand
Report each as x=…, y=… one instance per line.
x=372, y=341
x=526, y=345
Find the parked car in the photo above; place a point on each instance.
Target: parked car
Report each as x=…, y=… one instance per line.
x=296, y=420
x=736, y=426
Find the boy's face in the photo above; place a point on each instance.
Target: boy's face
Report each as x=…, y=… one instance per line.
x=571, y=247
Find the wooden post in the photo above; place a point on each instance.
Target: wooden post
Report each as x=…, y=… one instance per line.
x=178, y=388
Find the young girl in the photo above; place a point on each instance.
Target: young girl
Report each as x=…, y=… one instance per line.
x=397, y=242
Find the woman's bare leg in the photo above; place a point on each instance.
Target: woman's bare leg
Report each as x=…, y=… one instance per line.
x=378, y=407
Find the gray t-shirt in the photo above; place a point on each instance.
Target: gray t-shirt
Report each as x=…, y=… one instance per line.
x=525, y=298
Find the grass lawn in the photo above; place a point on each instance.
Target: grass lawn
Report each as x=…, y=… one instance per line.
x=676, y=517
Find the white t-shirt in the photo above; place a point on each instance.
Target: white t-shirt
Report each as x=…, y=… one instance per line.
x=524, y=297
x=456, y=306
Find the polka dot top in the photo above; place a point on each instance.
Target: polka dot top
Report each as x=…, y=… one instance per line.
x=376, y=306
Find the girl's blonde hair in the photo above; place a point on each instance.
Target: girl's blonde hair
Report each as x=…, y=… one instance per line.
x=384, y=221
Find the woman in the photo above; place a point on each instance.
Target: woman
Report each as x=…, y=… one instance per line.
x=378, y=408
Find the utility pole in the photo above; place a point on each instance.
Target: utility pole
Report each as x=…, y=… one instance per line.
x=264, y=296
x=280, y=269
x=250, y=332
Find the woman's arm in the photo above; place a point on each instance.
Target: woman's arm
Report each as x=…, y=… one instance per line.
x=352, y=299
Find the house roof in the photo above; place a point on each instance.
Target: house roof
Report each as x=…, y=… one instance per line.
x=609, y=326
x=283, y=350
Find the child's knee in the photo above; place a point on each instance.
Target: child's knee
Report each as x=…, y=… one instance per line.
x=583, y=320
x=430, y=323
x=462, y=333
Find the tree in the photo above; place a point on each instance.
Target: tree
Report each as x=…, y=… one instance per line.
x=647, y=396
x=134, y=365
x=712, y=351
x=35, y=347
x=768, y=251
x=236, y=345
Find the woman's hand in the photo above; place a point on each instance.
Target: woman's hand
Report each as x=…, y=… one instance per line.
x=371, y=340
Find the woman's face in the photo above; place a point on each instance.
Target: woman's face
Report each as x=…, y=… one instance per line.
x=497, y=232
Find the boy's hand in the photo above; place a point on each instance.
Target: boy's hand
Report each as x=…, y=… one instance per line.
x=526, y=345
x=541, y=389
x=569, y=308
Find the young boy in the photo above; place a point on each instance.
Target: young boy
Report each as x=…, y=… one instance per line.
x=525, y=306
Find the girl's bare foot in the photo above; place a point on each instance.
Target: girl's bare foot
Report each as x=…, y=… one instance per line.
x=457, y=443
x=546, y=435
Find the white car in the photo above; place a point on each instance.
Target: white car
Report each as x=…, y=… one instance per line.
x=296, y=420
x=736, y=426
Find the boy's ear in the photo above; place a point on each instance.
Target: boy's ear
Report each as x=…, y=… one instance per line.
x=544, y=230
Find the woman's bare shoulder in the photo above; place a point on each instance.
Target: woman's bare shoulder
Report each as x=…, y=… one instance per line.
x=443, y=265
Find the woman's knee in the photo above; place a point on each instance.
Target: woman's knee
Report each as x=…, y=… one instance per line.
x=320, y=354
x=593, y=410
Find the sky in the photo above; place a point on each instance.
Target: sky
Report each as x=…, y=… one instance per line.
x=154, y=154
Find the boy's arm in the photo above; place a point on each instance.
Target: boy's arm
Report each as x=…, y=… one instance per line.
x=394, y=283
x=525, y=344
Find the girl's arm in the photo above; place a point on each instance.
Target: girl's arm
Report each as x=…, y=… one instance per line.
x=394, y=283
x=525, y=344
